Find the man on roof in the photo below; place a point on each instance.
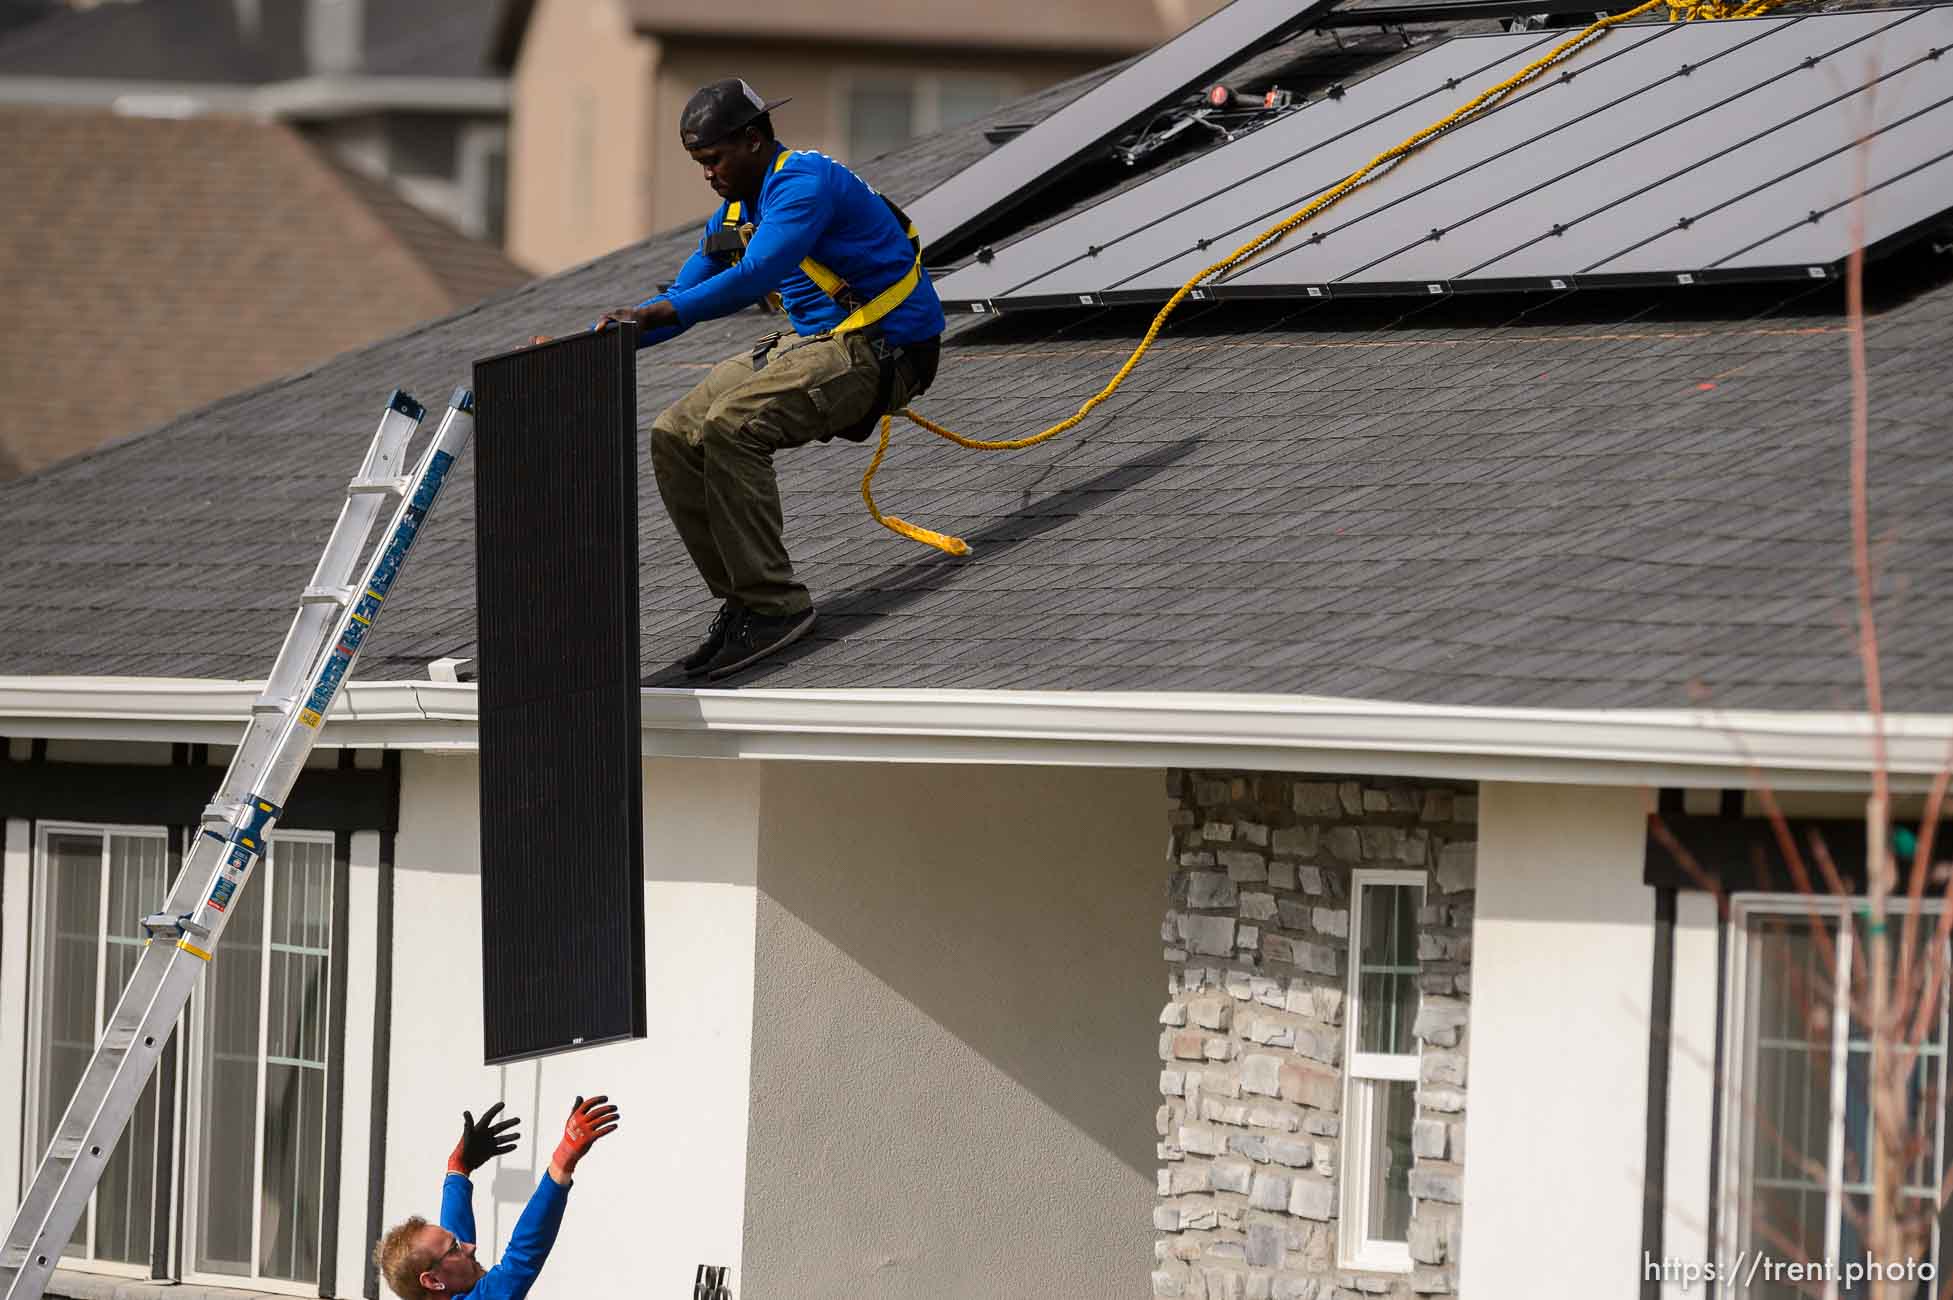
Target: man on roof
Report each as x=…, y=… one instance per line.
x=802, y=231
x=437, y=1261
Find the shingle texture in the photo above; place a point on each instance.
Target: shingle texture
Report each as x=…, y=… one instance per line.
x=1599, y=500
x=152, y=266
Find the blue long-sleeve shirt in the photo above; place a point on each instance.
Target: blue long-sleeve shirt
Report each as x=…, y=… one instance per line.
x=529, y=1244
x=810, y=207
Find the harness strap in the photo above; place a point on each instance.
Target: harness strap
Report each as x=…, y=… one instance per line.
x=861, y=315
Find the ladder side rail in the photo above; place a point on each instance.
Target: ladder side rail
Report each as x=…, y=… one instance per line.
x=73, y=1163
x=325, y=595
x=356, y=621
x=156, y=996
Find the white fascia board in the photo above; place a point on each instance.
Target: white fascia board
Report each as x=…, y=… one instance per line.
x=135, y=98
x=329, y=96
x=1819, y=751
x=301, y=99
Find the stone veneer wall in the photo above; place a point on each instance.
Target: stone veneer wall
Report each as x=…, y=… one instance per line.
x=1258, y=949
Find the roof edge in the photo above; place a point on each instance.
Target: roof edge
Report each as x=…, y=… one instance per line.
x=1676, y=747
x=301, y=98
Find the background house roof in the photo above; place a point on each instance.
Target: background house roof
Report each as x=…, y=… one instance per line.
x=155, y=265
x=1594, y=500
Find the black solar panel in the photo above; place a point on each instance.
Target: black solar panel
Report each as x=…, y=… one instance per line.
x=562, y=861
x=1048, y=151
x=1674, y=152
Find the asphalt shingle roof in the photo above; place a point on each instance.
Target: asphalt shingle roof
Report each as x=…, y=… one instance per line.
x=1595, y=500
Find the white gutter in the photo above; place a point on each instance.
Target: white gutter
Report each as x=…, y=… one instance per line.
x=316, y=97
x=301, y=99
x=1078, y=728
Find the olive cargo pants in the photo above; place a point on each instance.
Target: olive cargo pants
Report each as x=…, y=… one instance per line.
x=713, y=450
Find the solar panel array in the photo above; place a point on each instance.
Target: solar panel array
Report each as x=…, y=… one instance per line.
x=1666, y=153
x=1020, y=169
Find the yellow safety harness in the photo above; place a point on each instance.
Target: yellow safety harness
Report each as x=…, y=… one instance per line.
x=732, y=243
x=1679, y=11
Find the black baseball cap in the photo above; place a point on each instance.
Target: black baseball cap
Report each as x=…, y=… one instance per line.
x=719, y=109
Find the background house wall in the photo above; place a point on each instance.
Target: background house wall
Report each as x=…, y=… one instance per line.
x=579, y=153
x=1557, y=1128
x=821, y=89
x=952, y=1031
x=594, y=157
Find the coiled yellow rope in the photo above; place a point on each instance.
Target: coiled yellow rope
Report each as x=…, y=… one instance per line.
x=1679, y=11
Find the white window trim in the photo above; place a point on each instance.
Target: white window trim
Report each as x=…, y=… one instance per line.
x=1354, y=1251
x=192, y=1133
x=36, y=938
x=1729, y=1192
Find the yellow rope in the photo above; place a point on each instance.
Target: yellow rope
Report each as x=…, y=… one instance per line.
x=1679, y=11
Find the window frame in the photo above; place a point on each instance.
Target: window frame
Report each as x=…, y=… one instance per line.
x=1355, y=1249
x=189, y=1150
x=1733, y=1188
x=37, y=941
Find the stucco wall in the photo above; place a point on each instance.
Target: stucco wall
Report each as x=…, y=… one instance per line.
x=1563, y=943
x=578, y=159
x=953, y=1084
x=666, y=1192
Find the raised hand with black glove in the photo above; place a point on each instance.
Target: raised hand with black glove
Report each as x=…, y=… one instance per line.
x=588, y=1121
x=482, y=1140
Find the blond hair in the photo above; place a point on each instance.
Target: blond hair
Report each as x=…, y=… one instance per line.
x=401, y=1259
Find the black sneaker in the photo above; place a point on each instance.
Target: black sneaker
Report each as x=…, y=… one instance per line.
x=715, y=639
x=755, y=636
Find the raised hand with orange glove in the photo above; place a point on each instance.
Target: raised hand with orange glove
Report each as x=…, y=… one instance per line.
x=482, y=1140
x=588, y=1121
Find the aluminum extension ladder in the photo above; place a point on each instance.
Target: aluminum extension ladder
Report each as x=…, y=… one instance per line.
x=334, y=616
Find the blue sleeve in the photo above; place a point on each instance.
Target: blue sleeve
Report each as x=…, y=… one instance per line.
x=529, y=1245
x=458, y=1206
x=697, y=270
x=797, y=208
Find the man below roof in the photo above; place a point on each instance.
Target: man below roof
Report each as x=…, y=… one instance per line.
x=801, y=231
x=425, y=1261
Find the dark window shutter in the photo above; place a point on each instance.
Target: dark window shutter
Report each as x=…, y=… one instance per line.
x=562, y=859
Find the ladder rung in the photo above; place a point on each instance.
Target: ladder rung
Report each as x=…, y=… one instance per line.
x=340, y=596
x=374, y=486
x=14, y=1257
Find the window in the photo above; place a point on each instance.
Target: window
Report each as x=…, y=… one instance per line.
x=259, y=1080
x=883, y=114
x=94, y=886
x=1382, y=1069
x=255, y=1156
x=1797, y=1109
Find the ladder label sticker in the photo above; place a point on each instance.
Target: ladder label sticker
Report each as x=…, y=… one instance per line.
x=221, y=894
x=308, y=717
